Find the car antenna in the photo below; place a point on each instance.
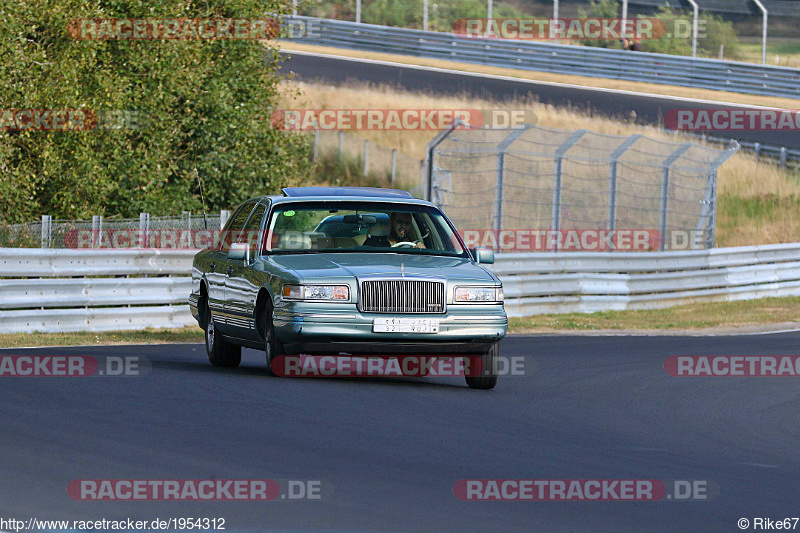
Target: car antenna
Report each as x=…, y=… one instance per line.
x=202, y=196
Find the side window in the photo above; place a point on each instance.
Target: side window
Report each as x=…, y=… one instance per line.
x=235, y=226
x=251, y=230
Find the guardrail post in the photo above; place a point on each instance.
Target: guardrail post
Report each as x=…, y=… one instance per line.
x=47, y=231
x=294, y=8
x=97, y=230
x=783, y=157
x=425, y=15
x=757, y=150
x=358, y=11
x=394, y=165
x=144, y=230
x=555, y=223
x=664, y=209
x=366, y=157
x=224, y=215
x=553, y=34
x=611, y=223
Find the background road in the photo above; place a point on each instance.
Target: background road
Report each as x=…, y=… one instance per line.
x=649, y=109
x=591, y=407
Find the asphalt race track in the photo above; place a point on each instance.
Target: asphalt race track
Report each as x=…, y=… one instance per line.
x=649, y=109
x=392, y=449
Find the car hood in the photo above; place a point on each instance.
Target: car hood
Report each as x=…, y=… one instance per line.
x=323, y=266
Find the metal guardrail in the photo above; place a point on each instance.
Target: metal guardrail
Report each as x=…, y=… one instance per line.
x=50, y=300
x=562, y=59
x=589, y=282
x=45, y=296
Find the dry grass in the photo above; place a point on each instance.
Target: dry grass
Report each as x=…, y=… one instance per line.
x=653, y=88
x=746, y=314
x=757, y=201
x=192, y=334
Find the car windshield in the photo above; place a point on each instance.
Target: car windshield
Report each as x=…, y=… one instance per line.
x=307, y=227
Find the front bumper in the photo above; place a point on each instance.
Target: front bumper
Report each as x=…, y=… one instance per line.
x=339, y=328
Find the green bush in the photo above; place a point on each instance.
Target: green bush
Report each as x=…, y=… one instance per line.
x=203, y=107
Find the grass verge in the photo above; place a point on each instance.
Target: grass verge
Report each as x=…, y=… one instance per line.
x=746, y=314
x=145, y=336
x=698, y=316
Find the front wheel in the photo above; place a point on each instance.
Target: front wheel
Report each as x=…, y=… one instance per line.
x=487, y=377
x=273, y=348
x=220, y=352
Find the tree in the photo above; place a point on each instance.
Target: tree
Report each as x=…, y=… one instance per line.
x=169, y=111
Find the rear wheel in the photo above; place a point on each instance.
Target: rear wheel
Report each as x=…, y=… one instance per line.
x=487, y=377
x=273, y=348
x=220, y=352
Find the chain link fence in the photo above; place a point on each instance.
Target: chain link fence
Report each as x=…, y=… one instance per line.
x=386, y=167
x=534, y=188
x=101, y=232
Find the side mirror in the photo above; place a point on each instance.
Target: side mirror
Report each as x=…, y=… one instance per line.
x=239, y=251
x=483, y=255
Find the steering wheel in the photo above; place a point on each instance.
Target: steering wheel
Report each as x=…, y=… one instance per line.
x=409, y=244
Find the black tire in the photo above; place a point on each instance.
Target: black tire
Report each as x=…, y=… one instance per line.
x=487, y=379
x=272, y=346
x=220, y=352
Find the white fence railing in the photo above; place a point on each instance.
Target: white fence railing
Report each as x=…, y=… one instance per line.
x=105, y=290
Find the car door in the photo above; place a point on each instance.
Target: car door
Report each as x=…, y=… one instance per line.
x=220, y=264
x=242, y=283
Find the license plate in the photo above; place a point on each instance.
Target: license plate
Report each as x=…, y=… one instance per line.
x=405, y=325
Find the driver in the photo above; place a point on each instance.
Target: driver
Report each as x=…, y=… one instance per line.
x=399, y=231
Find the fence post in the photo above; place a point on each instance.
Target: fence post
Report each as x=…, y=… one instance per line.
x=366, y=157
x=424, y=15
x=394, y=165
x=341, y=144
x=783, y=157
x=47, y=231
x=555, y=222
x=430, y=148
x=611, y=223
x=358, y=11
x=144, y=230
x=97, y=230
x=224, y=215
x=664, y=209
x=500, y=164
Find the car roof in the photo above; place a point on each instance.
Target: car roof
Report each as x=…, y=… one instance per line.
x=342, y=194
x=371, y=192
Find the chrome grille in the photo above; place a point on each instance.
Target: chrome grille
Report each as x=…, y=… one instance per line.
x=402, y=296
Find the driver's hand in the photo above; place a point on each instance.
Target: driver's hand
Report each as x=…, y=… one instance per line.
x=419, y=245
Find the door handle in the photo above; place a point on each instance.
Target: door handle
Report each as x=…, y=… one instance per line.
x=230, y=270
x=213, y=266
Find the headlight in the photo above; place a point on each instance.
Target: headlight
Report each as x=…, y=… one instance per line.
x=317, y=292
x=479, y=294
